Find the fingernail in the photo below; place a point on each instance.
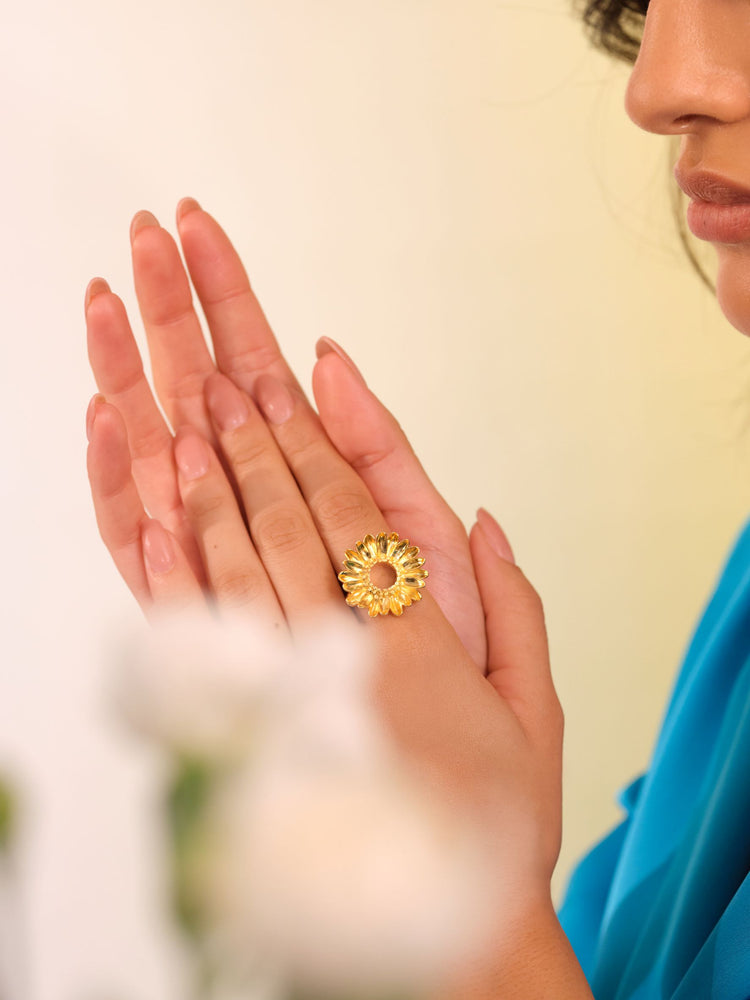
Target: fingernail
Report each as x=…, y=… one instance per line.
x=274, y=399
x=192, y=455
x=91, y=414
x=185, y=206
x=140, y=221
x=158, y=549
x=95, y=287
x=327, y=346
x=495, y=536
x=226, y=402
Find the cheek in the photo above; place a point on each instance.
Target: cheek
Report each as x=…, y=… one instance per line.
x=733, y=285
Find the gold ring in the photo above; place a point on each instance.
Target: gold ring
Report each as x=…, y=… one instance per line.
x=388, y=550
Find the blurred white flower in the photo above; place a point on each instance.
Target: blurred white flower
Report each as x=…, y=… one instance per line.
x=204, y=687
x=197, y=685
x=317, y=857
x=321, y=704
x=353, y=881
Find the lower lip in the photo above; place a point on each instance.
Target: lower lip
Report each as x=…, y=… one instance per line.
x=719, y=223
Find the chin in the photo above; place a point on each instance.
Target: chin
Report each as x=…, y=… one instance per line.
x=733, y=285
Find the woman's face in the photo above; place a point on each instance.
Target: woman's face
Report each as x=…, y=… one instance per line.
x=692, y=79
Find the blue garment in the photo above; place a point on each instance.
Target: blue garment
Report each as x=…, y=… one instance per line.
x=660, y=909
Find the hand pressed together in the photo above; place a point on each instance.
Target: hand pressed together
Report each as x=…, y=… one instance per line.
x=247, y=497
x=131, y=464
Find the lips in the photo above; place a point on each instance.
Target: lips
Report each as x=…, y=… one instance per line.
x=719, y=209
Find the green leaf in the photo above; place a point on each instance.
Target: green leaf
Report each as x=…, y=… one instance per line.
x=186, y=809
x=7, y=816
x=187, y=798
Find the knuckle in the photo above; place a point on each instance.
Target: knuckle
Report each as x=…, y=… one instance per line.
x=280, y=529
x=109, y=494
x=230, y=295
x=553, y=721
x=557, y=715
x=454, y=526
x=151, y=443
x=119, y=538
x=255, y=359
x=342, y=506
x=245, y=455
x=370, y=460
x=306, y=450
x=205, y=506
x=171, y=312
x=531, y=595
x=237, y=585
x=450, y=548
x=188, y=386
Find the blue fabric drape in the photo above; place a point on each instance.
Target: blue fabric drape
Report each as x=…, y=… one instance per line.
x=660, y=909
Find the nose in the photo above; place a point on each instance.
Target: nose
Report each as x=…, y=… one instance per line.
x=693, y=67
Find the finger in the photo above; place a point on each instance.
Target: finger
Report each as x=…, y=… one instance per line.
x=244, y=344
x=339, y=502
x=519, y=667
x=119, y=512
x=236, y=575
x=371, y=440
x=118, y=370
x=281, y=527
x=243, y=341
x=171, y=581
x=180, y=358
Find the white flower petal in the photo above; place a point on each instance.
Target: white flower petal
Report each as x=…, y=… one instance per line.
x=352, y=884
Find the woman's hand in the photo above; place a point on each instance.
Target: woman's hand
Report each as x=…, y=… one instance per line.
x=252, y=503
x=489, y=740
x=131, y=464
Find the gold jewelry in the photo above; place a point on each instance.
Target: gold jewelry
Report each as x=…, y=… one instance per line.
x=387, y=550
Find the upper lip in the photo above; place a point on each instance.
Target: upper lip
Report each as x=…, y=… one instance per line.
x=702, y=185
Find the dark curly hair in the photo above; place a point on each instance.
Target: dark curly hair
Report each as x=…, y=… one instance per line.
x=615, y=25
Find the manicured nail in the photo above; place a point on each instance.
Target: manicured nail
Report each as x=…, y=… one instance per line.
x=226, y=402
x=274, y=399
x=192, y=455
x=327, y=346
x=140, y=221
x=185, y=206
x=95, y=287
x=495, y=535
x=158, y=549
x=91, y=414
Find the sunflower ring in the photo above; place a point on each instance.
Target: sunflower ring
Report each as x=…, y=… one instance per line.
x=388, y=550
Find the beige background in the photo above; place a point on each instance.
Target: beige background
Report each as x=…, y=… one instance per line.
x=452, y=191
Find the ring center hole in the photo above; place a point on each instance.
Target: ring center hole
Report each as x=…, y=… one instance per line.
x=382, y=575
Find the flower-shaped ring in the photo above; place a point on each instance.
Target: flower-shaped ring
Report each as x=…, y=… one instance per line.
x=388, y=550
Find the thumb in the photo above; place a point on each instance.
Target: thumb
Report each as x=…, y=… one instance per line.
x=518, y=653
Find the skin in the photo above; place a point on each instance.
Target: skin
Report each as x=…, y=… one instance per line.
x=253, y=496
x=252, y=501
x=692, y=80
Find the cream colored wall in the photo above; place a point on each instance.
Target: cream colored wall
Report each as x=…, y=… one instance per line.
x=452, y=191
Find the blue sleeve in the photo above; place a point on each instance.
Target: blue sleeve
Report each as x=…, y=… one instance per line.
x=660, y=909
x=587, y=892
